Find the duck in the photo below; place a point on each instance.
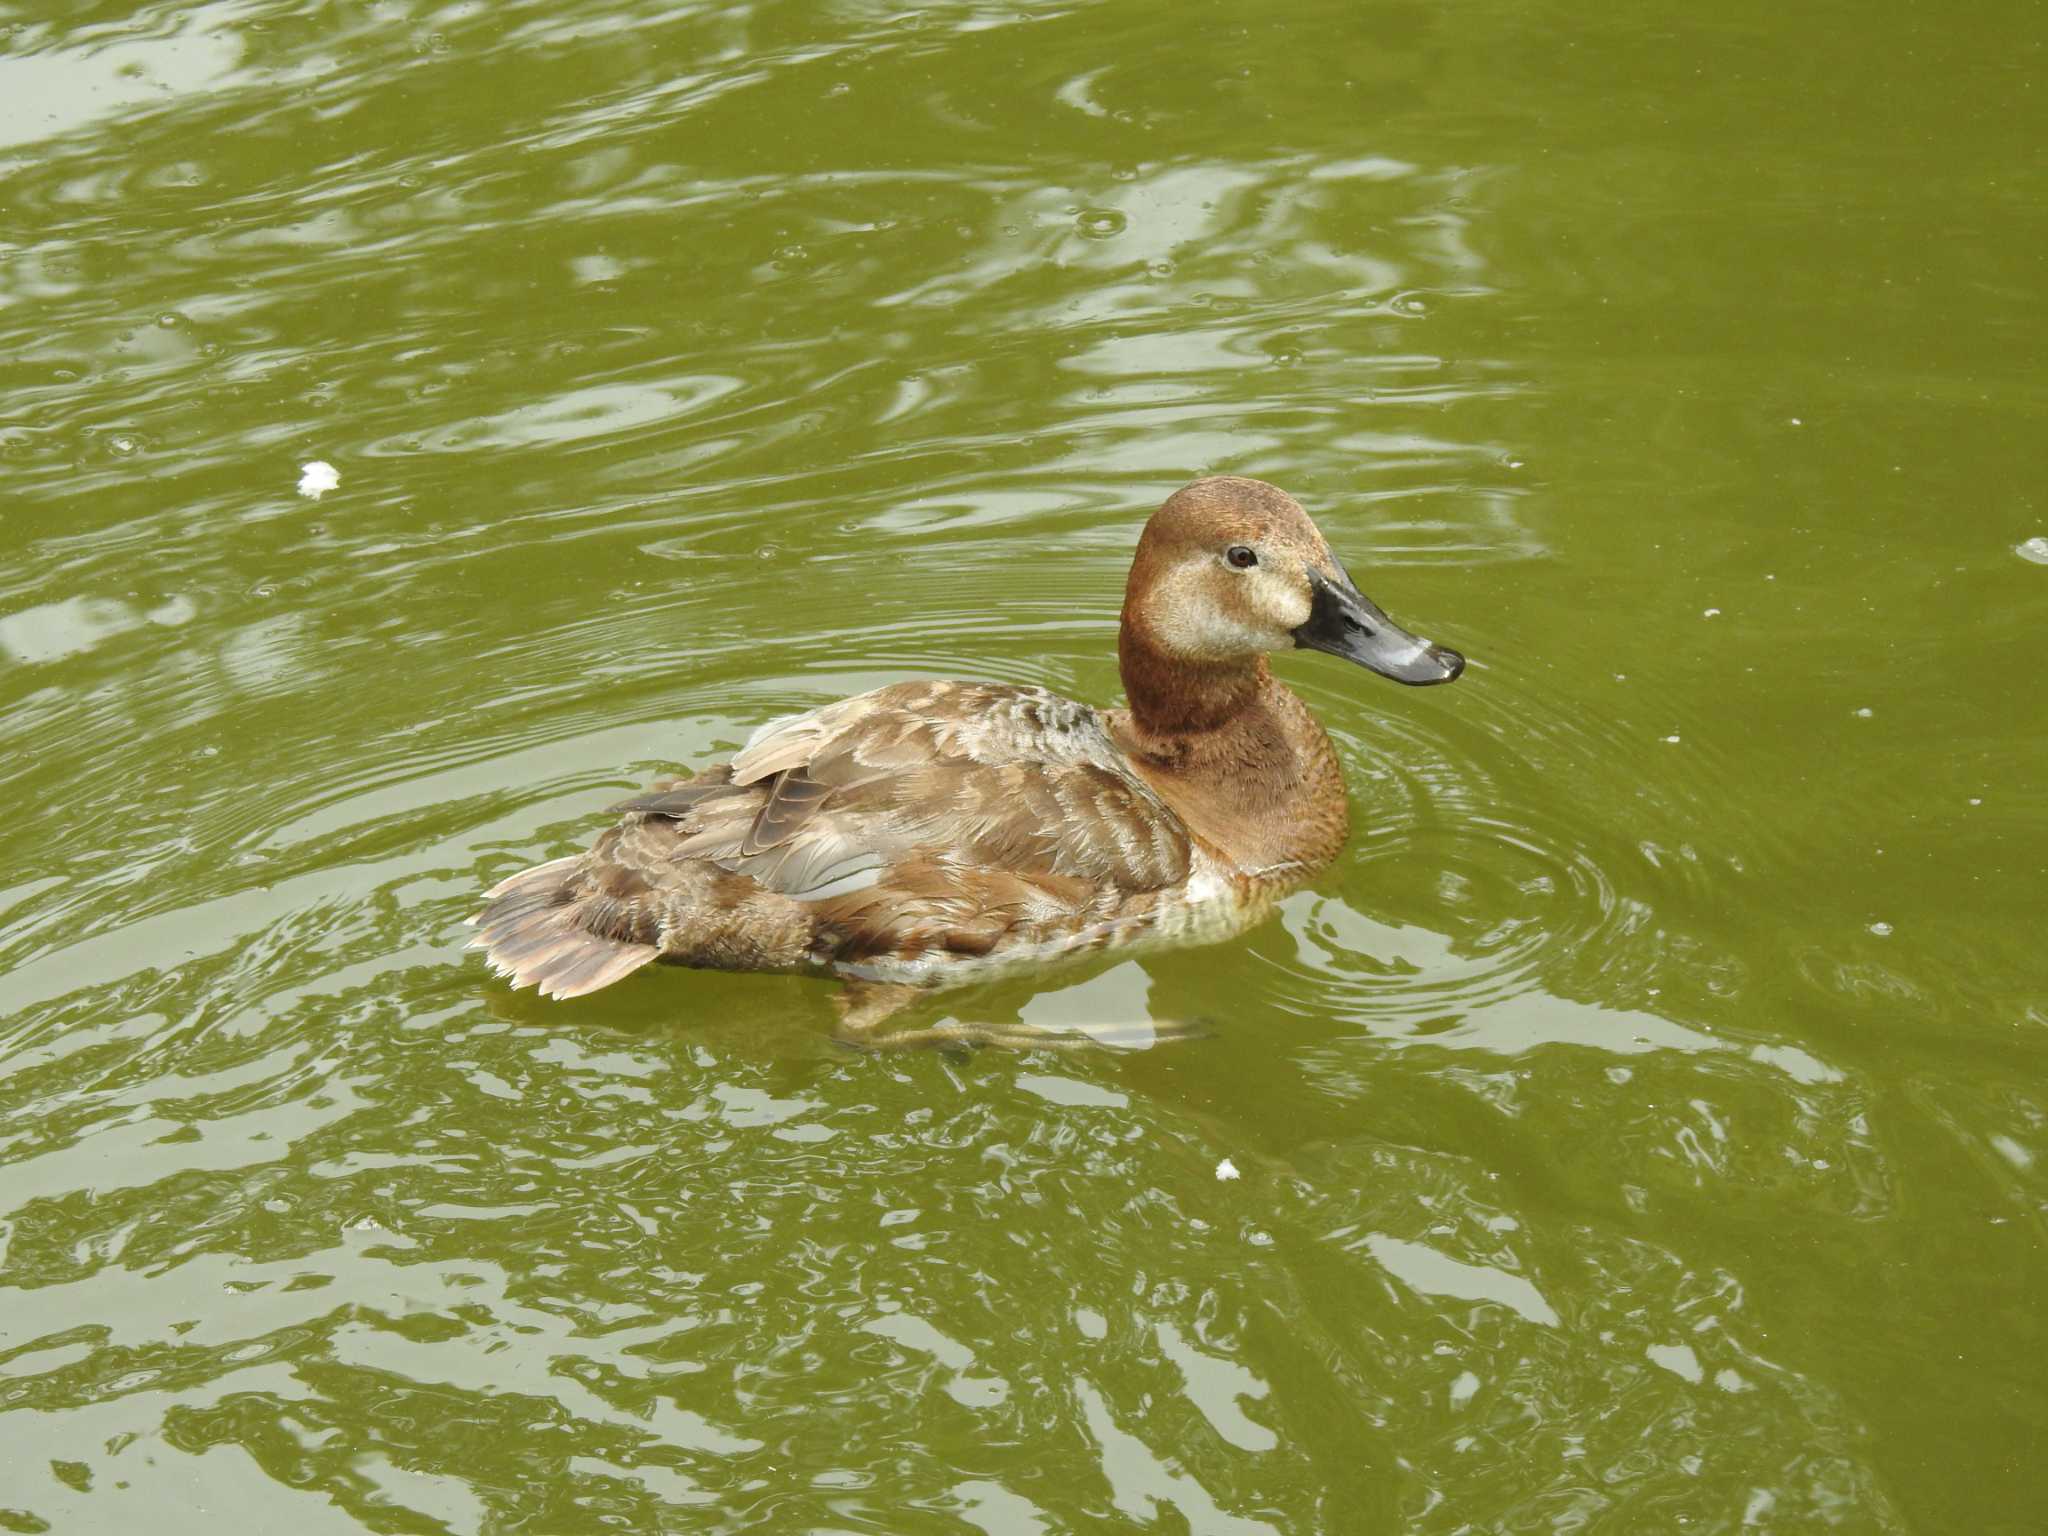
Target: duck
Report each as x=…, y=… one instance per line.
x=932, y=833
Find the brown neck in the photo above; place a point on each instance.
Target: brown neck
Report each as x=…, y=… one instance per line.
x=1171, y=697
x=1236, y=755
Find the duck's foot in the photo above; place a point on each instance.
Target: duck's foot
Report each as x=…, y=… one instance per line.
x=865, y=1006
x=866, y=1010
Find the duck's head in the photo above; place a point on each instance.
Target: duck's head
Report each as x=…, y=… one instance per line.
x=1231, y=568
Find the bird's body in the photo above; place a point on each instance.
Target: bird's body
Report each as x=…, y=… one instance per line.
x=929, y=833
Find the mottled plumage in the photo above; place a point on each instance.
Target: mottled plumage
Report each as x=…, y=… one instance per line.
x=927, y=831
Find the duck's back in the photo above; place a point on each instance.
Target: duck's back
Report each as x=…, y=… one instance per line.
x=898, y=833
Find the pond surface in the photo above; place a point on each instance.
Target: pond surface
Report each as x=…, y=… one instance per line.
x=1642, y=1127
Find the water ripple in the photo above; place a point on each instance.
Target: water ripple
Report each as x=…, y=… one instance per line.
x=684, y=367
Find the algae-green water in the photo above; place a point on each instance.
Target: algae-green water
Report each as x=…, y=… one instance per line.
x=1642, y=1127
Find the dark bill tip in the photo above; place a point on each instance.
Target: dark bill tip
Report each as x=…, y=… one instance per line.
x=1345, y=622
x=1452, y=662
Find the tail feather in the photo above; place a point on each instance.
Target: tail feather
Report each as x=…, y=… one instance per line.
x=531, y=932
x=528, y=879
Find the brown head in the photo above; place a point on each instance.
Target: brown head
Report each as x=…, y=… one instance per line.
x=1230, y=569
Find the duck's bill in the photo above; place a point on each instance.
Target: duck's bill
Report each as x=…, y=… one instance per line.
x=1345, y=622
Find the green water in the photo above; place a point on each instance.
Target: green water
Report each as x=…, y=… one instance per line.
x=1642, y=1128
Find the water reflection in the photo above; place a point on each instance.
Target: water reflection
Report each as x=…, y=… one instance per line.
x=55, y=84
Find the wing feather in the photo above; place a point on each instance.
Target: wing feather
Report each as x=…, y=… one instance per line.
x=677, y=801
x=793, y=797
x=989, y=778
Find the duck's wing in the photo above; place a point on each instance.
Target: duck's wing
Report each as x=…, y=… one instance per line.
x=921, y=818
x=968, y=776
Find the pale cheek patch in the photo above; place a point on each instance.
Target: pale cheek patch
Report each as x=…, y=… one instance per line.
x=1186, y=614
x=1286, y=607
x=1209, y=635
x=1200, y=611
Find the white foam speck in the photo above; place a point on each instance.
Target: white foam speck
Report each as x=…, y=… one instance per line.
x=1226, y=1169
x=1673, y=740
x=317, y=479
x=1711, y=613
x=2034, y=549
x=1882, y=930
x=1863, y=713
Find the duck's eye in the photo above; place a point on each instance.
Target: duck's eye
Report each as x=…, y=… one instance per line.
x=1241, y=557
